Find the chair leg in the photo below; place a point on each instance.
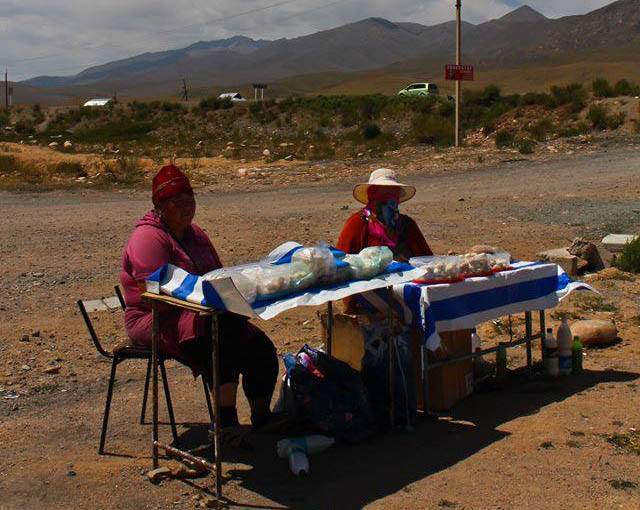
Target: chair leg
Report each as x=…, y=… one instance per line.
x=145, y=395
x=107, y=407
x=208, y=399
x=167, y=395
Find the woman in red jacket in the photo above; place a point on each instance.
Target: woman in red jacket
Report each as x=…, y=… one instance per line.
x=380, y=223
x=167, y=234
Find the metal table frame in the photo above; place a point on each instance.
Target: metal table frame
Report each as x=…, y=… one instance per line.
x=211, y=315
x=527, y=339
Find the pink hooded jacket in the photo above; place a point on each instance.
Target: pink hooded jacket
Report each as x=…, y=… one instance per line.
x=150, y=246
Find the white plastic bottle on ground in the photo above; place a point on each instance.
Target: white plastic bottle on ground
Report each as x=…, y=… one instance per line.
x=296, y=450
x=565, y=340
x=551, y=365
x=299, y=463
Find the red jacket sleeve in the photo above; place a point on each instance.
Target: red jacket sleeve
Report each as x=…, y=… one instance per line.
x=417, y=243
x=352, y=237
x=146, y=251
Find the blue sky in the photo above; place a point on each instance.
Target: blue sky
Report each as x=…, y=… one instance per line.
x=62, y=38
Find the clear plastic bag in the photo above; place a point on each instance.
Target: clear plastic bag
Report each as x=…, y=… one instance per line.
x=245, y=285
x=320, y=261
x=369, y=262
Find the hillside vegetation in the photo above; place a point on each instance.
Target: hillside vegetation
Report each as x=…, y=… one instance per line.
x=317, y=128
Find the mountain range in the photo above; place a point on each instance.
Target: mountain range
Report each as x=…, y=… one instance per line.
x=373, y=46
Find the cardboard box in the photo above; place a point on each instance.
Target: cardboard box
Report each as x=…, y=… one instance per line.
x=348, y=340
x=448, y=384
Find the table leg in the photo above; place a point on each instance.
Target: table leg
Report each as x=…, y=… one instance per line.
x=425, y=379
x=217, y=444
x=155, y=334
x=529, y=334
x=329, y=340
x=543, y=332
x=392, y=359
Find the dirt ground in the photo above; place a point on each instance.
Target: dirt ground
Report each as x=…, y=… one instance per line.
x=526, y=445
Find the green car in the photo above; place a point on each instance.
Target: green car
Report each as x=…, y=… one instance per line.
x=420, y=89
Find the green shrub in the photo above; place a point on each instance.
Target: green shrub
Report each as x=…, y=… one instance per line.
x=25, y=127
x=572, y=93
x=601, y=118
x=538, y=98
x=616, y=120
x=541, y=129
x=526, y=146
x=8, y=164
x=4, y=118
x=629, y=259
x=126, y=171
x=626, y=88
x=580, y=128
x=118, y=131
x=72, y=168
x=433, y=130
x=598, y=116
x=505, y=139
x=447, y=109
x=601, y=88
x=215, y=103
x=371, y=131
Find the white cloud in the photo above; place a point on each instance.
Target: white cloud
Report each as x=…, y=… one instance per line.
x=46, y=37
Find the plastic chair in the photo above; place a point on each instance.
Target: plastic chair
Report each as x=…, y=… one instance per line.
x=126, y=351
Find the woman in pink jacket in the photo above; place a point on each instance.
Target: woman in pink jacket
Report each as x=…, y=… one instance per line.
x=164, y=235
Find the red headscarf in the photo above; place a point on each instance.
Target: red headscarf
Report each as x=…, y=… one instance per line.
x=169, y=182
x=382, y=215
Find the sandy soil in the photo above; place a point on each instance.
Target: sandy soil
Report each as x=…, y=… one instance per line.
x=524, y=446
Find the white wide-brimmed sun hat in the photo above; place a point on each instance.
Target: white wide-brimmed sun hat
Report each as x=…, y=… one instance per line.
x=383, y=177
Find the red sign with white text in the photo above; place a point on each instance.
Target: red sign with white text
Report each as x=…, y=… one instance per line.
x=456, y=72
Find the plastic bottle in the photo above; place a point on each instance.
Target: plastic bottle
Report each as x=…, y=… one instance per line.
x=576, y=355
x=551, y=366
x=299, y=463
x=475, y=340
x=565, y=341
x=307, y=444
x=297, y=448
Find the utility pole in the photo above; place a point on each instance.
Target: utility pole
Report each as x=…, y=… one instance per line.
x=185, y=92
x=458, y=62
x=6, y=89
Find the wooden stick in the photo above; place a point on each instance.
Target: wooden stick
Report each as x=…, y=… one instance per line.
x=185, y=456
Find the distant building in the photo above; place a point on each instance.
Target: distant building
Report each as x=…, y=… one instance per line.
x=97, y=102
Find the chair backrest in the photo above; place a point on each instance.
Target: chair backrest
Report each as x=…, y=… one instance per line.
x=100, y=305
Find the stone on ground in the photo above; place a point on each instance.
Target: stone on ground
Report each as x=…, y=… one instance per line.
x=595, y=332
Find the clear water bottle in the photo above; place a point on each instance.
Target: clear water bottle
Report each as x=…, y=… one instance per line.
x=551, y=366
x=565, y=341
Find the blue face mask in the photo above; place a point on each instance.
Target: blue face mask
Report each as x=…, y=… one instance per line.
x=388, y=213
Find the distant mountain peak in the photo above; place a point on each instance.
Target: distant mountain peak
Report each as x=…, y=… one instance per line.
x=524, y=14
x=381, y=22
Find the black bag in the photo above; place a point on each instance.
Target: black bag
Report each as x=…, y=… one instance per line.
x=326, y=395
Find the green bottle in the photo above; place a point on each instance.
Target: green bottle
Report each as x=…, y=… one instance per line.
x=576, y=355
